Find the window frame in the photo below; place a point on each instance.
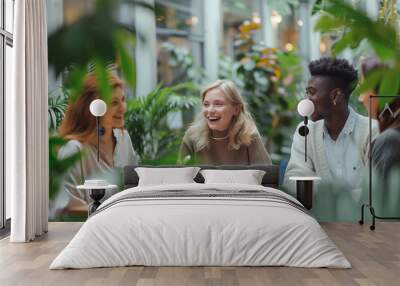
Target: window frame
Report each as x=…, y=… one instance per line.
x=6, y=39
x=195, y=38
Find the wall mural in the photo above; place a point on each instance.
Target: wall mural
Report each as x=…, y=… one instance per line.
x=247, y=117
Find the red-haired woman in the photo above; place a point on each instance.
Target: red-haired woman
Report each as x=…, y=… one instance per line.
x=79, y=127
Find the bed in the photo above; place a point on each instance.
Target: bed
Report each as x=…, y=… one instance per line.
x=201, y=224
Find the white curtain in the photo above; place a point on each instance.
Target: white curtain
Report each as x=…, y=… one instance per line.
x=26, y=124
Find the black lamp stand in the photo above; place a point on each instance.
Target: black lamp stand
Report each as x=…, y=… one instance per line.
x=96, y=195
x=305, y=137
x=98, y=138
x=303, y=131
x=369, y=205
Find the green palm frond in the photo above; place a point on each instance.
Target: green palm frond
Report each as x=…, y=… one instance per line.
x=57, y=104
x=146, y=119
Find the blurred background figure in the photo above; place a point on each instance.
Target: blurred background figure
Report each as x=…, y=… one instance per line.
x=385, y=148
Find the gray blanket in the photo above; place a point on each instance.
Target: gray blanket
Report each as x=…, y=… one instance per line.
x=202, y=194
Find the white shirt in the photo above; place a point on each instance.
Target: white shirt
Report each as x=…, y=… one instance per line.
x=343, y=155
x=318, y=151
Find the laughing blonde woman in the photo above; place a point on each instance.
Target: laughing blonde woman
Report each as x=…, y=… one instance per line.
x=224, y=132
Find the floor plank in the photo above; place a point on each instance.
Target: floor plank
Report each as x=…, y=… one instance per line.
x=374, y=255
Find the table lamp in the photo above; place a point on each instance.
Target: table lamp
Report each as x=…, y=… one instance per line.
x=304, y=185
x=305, y=108
x=96, y=188
x=98, y=108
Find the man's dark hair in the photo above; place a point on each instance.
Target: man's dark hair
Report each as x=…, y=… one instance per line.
x=340, y=71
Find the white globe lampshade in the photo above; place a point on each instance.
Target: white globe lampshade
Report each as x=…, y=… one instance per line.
x=305, y=107
x=98, y=107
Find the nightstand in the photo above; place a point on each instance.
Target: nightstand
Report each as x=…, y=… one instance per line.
x=304, y=190
x=96, y=193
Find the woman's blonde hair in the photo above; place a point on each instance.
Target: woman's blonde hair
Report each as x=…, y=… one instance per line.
x=242, y=128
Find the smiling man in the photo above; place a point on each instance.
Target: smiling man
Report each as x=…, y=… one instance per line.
x=338, y=138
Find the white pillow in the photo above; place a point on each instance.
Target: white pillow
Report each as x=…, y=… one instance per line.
x=165, y=176
x=248, y=177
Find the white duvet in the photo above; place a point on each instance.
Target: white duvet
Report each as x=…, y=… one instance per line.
x=200, y=231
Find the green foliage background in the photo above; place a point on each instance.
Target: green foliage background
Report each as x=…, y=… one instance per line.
x=271, y=81
x=146, y=122
x=354, y=27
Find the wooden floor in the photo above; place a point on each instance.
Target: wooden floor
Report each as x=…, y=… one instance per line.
x=375, y=257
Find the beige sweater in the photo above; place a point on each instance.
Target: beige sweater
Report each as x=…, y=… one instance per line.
x=218, y=153
x=89, y=168
x=317, y=164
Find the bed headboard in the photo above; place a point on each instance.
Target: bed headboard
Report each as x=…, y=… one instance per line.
x=270, y=179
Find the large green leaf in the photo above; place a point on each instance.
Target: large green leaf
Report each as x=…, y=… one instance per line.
x=340, y=15
x=383, y=51
x=327, y=23
x=91, y=36
x=74, y=82
x=318, y=7
x=389, y=83
x=125, y=47
x=371, y=82
x=103, y=80
x=95, y=38
x=357, y=27
x=58, y=167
